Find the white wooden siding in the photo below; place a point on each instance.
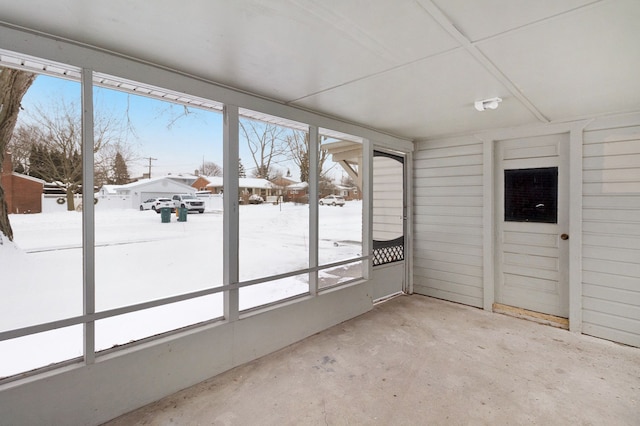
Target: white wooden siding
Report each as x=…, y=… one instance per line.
x=447, y=230
x=611, y=233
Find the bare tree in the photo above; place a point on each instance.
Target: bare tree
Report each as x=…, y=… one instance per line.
x=20, y=148
x=209, y=168
x=265, y=143
x=13, y=85
x=298, y=143
x=105, y=168
x=57, y=137
x=348, y=181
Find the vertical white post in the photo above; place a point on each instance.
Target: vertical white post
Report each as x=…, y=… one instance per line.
x=367, y=206
x=313, y=207
x=408, y=220
x=575, y=227
x=88, y=218
x=231, y=214
x=488, y=225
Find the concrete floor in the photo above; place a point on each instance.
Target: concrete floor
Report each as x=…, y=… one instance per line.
x=417, y=360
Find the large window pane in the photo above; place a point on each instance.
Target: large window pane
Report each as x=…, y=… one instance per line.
x=42, y=268
x=155, y=157
x=274, y=214
x=273, y=291
x=137, y=325
x=39, y=350
x=340, y=206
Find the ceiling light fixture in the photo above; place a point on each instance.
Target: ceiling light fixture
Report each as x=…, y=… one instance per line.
x=491, y=103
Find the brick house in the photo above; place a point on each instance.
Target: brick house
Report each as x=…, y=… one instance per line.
x=297, y=192
x=23, y=193
x=200, y=184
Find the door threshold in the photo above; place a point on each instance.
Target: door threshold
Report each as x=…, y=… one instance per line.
x=387, y=298
x=538, y=317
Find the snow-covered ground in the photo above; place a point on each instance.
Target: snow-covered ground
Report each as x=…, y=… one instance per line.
x=138, y=258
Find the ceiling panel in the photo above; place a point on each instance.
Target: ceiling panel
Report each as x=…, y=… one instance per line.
x=583, y=64
x=383, y=64
x=481, y=19
x=283, y=49
x=430, y=97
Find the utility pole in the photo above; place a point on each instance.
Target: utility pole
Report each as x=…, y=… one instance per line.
x=150, y=159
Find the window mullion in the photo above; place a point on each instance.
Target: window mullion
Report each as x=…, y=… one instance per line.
x=231, y=213
x=367, y=206
x=88, y=218
x=313, y=208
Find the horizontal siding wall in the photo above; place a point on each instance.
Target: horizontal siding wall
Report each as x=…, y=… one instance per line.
x=611, y=233
x=447, y=230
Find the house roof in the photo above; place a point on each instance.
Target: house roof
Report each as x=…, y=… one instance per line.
x=187, y=179
x=109, y=189
x=27, y=177
x=163, y=183
x=300, y=185
x=254, y=183
x=216, y=182
x=346, y=188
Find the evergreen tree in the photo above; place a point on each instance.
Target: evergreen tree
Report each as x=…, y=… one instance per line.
x=120, y=171
x=241, y=172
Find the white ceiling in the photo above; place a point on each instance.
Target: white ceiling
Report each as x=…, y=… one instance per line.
x=411, y=68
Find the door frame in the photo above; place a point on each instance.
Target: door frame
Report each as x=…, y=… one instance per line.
x=407, y=164
x=489, y=141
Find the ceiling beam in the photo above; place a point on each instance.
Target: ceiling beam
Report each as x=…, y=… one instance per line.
x=466, y=44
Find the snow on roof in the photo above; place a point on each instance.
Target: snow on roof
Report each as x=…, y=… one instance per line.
x=345, y=187
x=187, y=178
x=109, y=189
x=300, y=185
x=290, y=179
x=254, y=183
x=22, y=176
x=139, y=182
x=145, y=182
x=216, y=182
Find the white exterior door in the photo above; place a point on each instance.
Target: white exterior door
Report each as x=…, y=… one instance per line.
x=532, y=224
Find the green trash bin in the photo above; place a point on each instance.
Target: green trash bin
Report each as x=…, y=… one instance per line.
x=165, y=214
x=182, y=214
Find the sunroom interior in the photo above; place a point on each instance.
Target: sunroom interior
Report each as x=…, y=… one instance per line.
x=427, y=106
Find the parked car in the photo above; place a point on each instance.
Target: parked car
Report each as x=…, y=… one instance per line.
x=147, y=204
x=255, y=199
x=188, y=201
x=332, y=200
x=157, y=203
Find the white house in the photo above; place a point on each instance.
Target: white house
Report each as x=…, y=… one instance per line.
x=143, y=189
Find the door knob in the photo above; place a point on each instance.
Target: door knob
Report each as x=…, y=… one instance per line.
x=564, y=236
